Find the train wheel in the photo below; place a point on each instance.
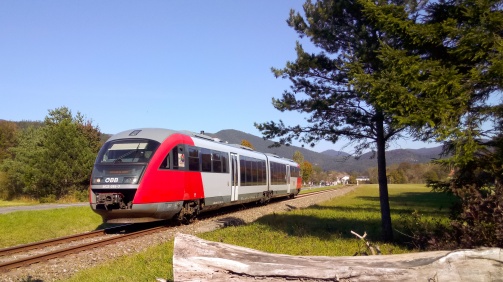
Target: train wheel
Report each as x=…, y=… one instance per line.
x=266, y=197
x=189, y=212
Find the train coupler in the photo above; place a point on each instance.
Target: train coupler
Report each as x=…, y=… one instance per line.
x=111, y=200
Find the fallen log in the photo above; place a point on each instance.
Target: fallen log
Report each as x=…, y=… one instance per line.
x=195, y=259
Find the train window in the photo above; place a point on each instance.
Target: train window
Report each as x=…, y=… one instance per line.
x=205, y=160
x=175, y=159
x=242, y=170
x=127, y=151
x=225, y=160
x=178, y=157
x=295, y=171
x=166, y=163
x=194, y=159
x=249, y=172
x=278, y=173
x=216, y=161
x=252, y=171
x=261, y=172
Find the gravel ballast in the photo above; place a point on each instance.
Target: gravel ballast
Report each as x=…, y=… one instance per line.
x=57, y=269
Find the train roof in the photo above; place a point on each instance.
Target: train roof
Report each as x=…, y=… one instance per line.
x=160, y=134
x=157, y=134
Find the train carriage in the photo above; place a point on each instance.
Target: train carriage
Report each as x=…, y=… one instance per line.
x=153, y=174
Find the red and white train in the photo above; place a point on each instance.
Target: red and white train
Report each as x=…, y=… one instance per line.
x=153, y=174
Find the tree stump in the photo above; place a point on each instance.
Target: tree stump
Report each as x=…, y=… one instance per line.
x=195, y=259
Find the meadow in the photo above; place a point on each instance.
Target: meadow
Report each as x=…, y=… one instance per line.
x=323, y=229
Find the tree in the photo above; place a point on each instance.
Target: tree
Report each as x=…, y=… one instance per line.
x=72, y=145
x=247, y=143
x=54, y=160
x=22, y=171
x=306, y=171
x=447, y=65
x=8, y=138
x=441, y=67
x=298, y=157
x=321, y=87
x=318, y=175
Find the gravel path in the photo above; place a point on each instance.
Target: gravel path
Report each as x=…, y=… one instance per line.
x=64, y=268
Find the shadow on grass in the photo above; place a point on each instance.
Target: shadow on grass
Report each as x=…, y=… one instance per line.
x=323, y=228
x=395, y=211
x=423, y=202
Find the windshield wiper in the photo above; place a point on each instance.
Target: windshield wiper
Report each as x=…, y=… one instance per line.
x=119, y=159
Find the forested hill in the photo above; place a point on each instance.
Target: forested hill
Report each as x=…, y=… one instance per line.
x=327, y=160
x=330, y=159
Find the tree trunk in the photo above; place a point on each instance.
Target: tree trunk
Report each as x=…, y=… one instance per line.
x=195, y=259
x=387, y=230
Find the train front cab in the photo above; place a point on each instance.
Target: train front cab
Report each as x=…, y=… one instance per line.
x=126, y=188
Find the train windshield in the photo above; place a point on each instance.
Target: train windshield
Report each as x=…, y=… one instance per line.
x=127, y=151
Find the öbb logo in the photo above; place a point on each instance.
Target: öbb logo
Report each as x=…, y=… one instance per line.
x=111, y=180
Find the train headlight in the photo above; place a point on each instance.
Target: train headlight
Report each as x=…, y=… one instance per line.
x=130, y=180
x=97, y=180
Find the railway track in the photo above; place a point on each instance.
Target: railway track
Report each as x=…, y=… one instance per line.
x=315, y=193
x=120, y=233
x=8, y=260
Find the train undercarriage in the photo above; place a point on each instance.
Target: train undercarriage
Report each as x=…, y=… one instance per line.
x=118, y=207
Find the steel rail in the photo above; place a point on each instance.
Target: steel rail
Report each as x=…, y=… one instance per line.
x=52, y=242
x=307, y=194
x=72, y=250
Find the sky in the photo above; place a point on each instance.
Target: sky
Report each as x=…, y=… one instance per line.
x=182, y=65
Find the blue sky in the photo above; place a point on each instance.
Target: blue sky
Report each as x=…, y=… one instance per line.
x=183, y=65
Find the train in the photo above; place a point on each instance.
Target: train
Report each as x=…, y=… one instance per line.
x=152, y=174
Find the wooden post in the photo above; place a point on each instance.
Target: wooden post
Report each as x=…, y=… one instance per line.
x=195, y=259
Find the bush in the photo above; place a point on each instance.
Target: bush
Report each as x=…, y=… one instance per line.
x=48, y=199
x=480, y=222
x=423, y=233
x=4, y=193
x=75, y=196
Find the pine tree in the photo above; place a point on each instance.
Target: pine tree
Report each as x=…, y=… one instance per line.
x=53, y=160
x=441, y=68
x=322, y=87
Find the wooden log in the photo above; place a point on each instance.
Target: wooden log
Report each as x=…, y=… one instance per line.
x=195, y=259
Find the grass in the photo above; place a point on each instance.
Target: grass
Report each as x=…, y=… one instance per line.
x=24, y=227
x=19, y=202
x=323, y=229
x=154, y=263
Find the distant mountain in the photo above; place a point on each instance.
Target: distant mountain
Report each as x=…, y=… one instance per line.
x=334, y=153
x=330, y=159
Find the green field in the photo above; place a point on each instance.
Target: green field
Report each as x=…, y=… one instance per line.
x=322, y=229
x=17, y=203
x=24, y=227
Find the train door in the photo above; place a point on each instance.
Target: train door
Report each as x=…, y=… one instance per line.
x=288, y=179
x=234, y=177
